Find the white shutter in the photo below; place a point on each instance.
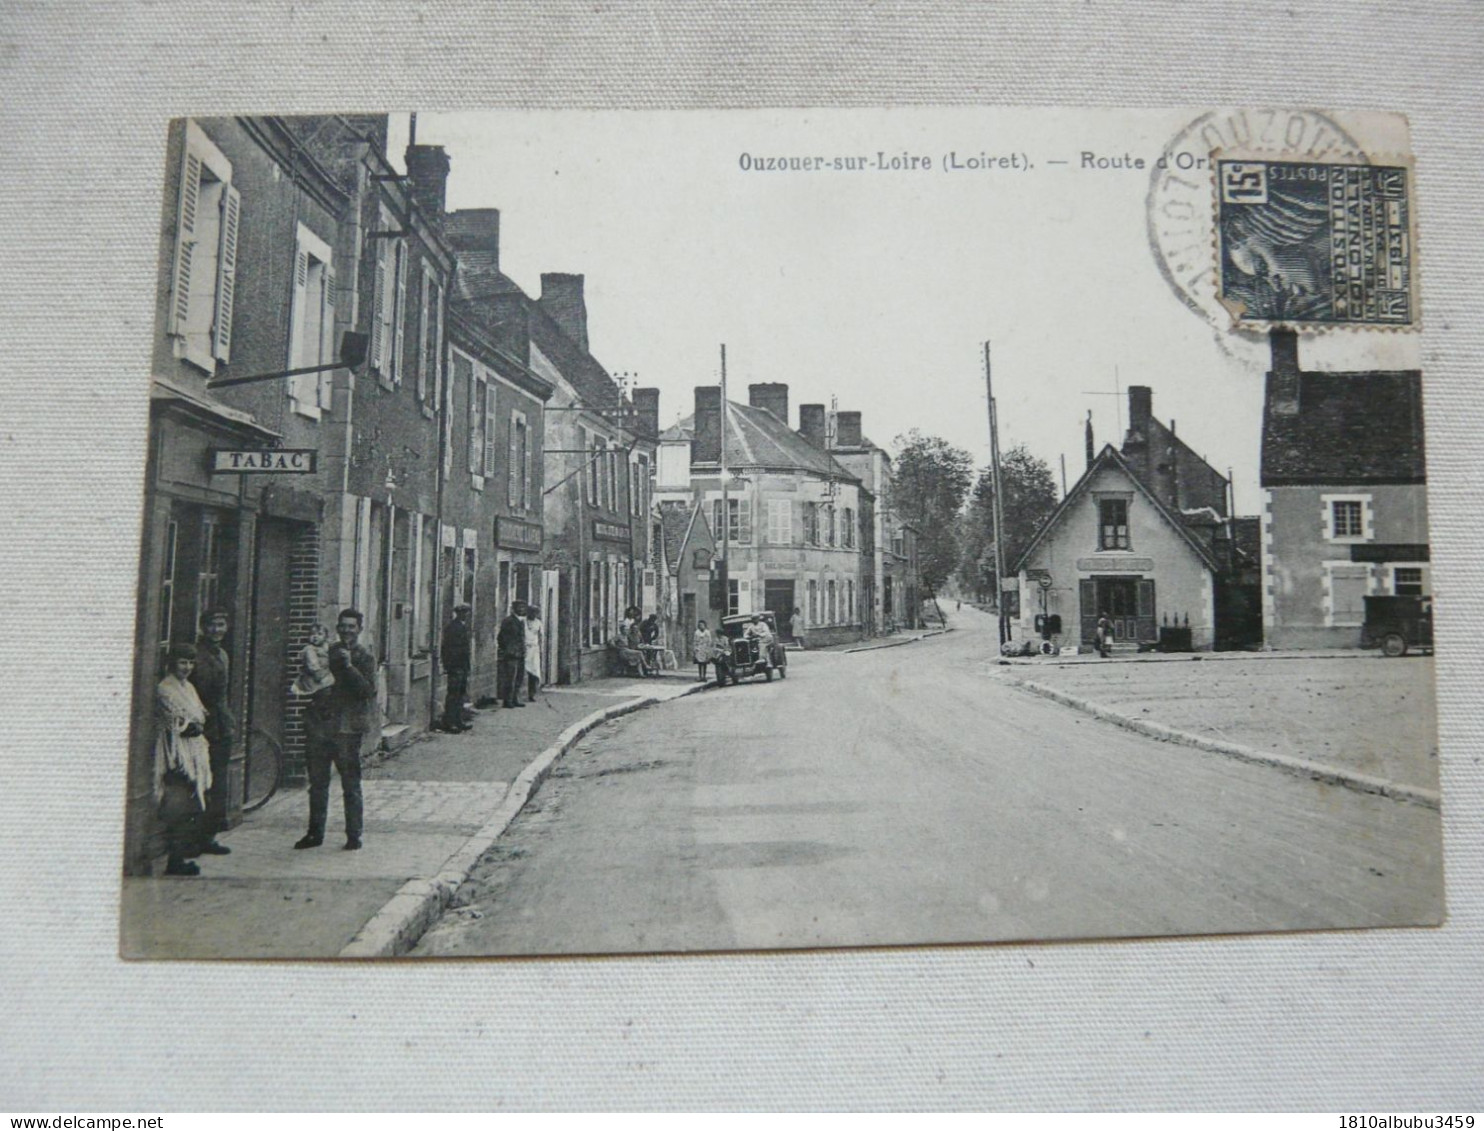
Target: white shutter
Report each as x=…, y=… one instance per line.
x=526, y=477
x=326, y=378
x=745, y=523
x=489, y=429
x=185, y=242
x=399, y=316
x=513, y=477
x=299, y=390
x=378, y=308
x=424, y=328
x=226, y=275
x=476, y=418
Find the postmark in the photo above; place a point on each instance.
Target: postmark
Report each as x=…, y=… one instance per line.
x=1315, y=242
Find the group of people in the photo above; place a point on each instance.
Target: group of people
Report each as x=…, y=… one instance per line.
x=195, y=727
x=640, y=636
x=519, y=646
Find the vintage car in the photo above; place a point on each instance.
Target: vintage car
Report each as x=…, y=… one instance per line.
x=1397, y=624
x=747, y=654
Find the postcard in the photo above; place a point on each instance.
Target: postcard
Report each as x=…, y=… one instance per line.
x=892, y=527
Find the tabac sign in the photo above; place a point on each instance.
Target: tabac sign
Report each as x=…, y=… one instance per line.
x=280, y=461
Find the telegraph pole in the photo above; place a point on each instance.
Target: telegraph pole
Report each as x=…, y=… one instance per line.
x=994, y=476
x=726, y=511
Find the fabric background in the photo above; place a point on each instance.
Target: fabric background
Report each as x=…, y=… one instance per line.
x=1356, y=1020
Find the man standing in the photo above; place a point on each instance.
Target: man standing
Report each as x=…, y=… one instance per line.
x=212, y=678
x=456, y=655
x=335, y=727
x=511, y=644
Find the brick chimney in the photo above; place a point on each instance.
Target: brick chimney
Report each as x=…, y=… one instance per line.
x=705, y=445
x=427, y=176
x=811, y=424
x=561, y=298
x=1087, y=436
x=847, y=429
x=647, y=408
x=772, y=396
x=1140, y=409
x=1285, y=377
x=475, y=236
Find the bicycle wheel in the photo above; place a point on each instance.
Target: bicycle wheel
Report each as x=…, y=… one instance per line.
x=262, y=770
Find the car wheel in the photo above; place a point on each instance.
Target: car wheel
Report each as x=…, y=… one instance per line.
x=1394, y=644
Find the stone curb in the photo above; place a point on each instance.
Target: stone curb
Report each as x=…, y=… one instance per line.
x=1170, y=658
x=402, y=920
x=1332, y=775
x=896, y=643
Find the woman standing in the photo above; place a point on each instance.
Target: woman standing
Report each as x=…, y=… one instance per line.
x=182, y=759
x=534, y=650
x=701, y=648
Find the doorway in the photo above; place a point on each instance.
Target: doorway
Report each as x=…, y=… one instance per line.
x=778, y=599
x=1129, y=603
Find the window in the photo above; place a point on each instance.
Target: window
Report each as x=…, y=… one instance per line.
x=312, y=323
x=1347, y=518
x=739, y=520
x=781, y=522
x=471, y=565
x=520, y=462
x=209, y=571
x=833, y=610
x=595, y=605
x=1113, y=524
x=1407, y=581
x=420, y=636
x=849, y=610
x=389, y=303
x=811, y=526
x=466, y=376
x=429, y=337
x=847, y=529
x=204, y=277
x=1346, y=586
x=734, y=596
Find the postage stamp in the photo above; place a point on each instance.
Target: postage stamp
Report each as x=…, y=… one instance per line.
x=1316, y=242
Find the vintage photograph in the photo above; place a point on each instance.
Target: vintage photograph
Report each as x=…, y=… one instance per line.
x=894, y=527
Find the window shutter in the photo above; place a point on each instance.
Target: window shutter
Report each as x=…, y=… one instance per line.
x=514, y=466
x=744, y=524
x=489, y=429
x=226, y=275
x=525, y=470
x=297, y=388
x=399, y=316
x=424, y=328
x=1146, y=598
x=476, y=423
x=185, y=242
x=378, y=309
x=327, y=339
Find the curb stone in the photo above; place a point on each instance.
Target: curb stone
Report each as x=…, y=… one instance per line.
x=400, y=923
x=1332, y=775
x=896, y=643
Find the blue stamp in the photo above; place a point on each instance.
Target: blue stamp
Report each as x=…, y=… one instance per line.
x=1303, y=241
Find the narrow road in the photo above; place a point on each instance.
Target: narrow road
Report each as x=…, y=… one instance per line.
x=906, y=795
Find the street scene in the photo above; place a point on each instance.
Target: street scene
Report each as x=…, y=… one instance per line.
x=857, y=598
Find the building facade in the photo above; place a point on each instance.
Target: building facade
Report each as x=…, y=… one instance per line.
x=1344, y=480
x=789, y=521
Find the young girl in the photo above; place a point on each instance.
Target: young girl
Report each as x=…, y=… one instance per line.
x=314, y=675
x=701, y=649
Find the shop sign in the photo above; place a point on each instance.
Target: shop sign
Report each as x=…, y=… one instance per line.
x=281, y=461
x=609, y=531
x=516, y=534
x=1115, y=565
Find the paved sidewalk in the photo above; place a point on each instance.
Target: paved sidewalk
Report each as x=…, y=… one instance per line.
x=428, y=808
x=1371, y=726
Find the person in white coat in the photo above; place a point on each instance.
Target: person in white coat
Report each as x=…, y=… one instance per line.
x=534, y=650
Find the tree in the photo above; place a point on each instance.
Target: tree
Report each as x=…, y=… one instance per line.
x=930, y=481
x=1030, y=495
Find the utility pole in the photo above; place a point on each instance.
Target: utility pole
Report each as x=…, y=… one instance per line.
x=994, y=474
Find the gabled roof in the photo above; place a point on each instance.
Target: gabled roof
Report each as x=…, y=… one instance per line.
x=676, y=518
x=757, y=438
x=1110, y=457
x=1363, y=427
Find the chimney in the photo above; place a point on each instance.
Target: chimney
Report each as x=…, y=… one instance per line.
x=1284, y=377
x=561, y=298
x=647, y=411
x=427, y=174
x=772, y=396
x=475, y=236
x=847, y=429
x=1140, y=409
x=1087, y=435
x=811, y=424
x=705, y=445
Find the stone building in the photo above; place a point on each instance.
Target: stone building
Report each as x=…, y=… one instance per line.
x=792, y=528
x=1344, y=480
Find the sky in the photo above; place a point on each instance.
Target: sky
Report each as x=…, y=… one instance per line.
x=879, y=286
